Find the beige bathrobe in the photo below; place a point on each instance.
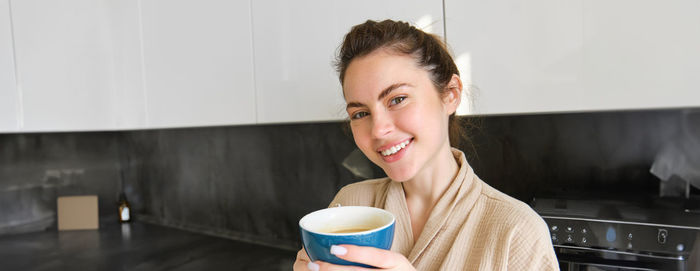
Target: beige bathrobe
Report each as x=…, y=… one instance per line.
x=472, y=227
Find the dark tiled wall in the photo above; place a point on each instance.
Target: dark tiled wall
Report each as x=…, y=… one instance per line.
x=255, y=182
x=606, y=154
x=251, y=182
x=37, y=168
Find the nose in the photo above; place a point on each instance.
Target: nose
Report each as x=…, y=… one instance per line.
x=382, y=125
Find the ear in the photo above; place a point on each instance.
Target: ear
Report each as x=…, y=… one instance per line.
x=453, y=94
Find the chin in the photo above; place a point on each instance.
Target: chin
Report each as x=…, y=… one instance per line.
x=398, y=176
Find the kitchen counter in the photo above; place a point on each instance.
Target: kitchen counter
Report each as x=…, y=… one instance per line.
x=136, y=246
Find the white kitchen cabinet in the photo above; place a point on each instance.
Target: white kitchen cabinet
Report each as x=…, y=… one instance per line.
x=9, y=96
x=129, y=97
x=547, y=55
x=64, y=59
x=198, y=63
x=518, y=56
x=295, y=44
x=641, y=54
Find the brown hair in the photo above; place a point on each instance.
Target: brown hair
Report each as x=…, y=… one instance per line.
x=428, y=50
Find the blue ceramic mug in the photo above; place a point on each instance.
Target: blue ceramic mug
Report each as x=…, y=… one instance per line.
x=346, y=225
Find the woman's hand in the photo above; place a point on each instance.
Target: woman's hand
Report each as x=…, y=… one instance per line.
x=380, y=258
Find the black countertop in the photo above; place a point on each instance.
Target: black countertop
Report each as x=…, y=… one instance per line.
x=136, y=246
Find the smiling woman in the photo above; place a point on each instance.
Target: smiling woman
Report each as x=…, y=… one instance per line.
x=402, y=89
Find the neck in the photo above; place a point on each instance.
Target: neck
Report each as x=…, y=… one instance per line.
x=432, y=181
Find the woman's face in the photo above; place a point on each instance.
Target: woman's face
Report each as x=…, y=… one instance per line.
x=398, y=119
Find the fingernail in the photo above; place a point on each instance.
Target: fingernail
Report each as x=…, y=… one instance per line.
x=313, y=266
x=338, y=250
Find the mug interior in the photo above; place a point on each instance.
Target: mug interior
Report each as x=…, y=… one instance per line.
x=326, y=221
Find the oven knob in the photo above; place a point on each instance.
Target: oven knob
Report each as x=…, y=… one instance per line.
x=555, y=228
x=583, y=240
x=680, y=247
x=629, y=245
x=554, y=238
x=629, y=236
x=569, y=239
x=569, y=229
x=663, y=235
x=584, y=231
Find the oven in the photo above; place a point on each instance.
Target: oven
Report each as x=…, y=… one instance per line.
x=619, y=235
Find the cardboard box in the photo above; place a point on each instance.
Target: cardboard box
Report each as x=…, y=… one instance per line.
x=78, y=213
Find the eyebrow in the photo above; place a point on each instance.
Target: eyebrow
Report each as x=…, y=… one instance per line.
x=381, y=96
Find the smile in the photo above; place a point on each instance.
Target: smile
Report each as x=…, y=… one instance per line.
x=394, y=149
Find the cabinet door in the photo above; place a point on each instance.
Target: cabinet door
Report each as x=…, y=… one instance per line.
x=64, y=64
x=129, y=98
x=295, y=45
x=8, y=88
x=197, y=62
x=517, y=56
x=547, y=55
x=641, y=54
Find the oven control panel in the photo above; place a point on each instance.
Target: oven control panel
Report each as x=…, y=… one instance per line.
x=621, y=236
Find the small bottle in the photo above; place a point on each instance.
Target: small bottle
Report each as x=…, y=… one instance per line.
x=124, y=209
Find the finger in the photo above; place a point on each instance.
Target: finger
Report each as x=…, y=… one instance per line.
x=367, y=255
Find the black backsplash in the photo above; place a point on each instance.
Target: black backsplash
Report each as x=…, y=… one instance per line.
x=37, y=168
x=607, y=153
x=248, y=182
x=254, y=182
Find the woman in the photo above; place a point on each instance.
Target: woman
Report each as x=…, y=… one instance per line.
x=402, y=89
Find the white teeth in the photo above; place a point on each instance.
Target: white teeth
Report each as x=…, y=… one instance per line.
x=396, y=148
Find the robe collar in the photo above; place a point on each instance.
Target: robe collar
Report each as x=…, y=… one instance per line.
x=463, y=190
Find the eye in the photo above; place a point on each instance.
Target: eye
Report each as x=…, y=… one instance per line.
x=359, y=115
x=397, y=100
